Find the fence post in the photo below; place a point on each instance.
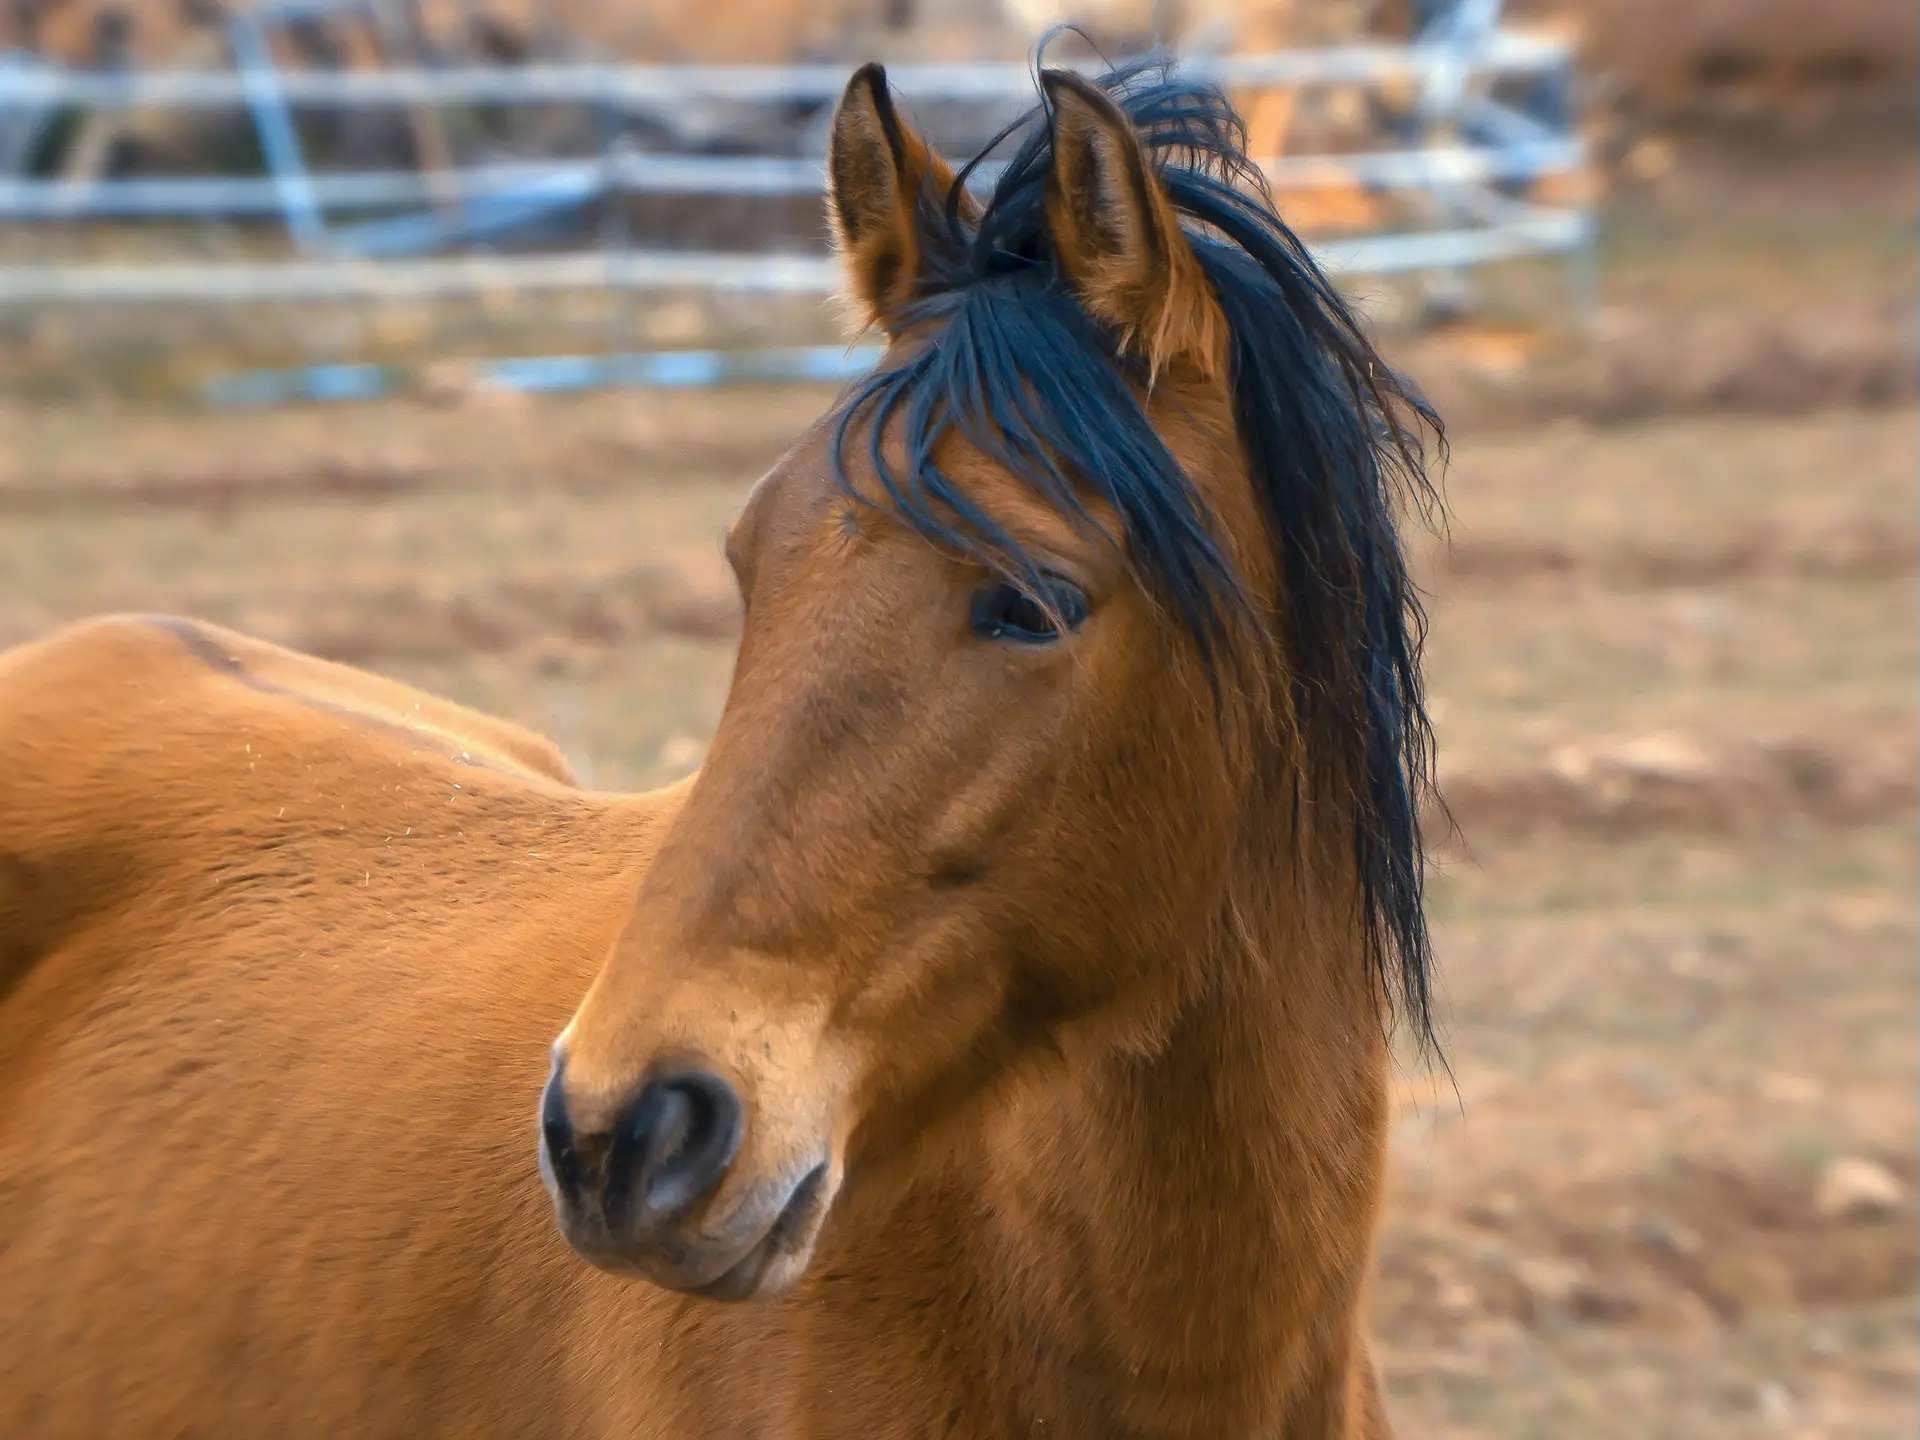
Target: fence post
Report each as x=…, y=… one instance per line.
x=279, y=140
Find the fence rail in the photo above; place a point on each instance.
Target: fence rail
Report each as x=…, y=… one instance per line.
x=32, y=86
x=195, y=197
x=241, y=282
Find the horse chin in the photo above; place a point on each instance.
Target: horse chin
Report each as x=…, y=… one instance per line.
x=769, y=1264
x=778, y=1259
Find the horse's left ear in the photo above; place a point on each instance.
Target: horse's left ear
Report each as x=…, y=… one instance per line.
x=887, y=195
x=1118, y=237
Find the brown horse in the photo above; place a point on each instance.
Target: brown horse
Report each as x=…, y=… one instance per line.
x=1003, y=1011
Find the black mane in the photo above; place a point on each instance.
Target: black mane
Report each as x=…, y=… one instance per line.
x=1021, y=371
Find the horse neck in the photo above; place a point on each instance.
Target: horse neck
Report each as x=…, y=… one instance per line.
x=1191, y=1214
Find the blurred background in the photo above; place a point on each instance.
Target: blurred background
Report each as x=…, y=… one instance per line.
x=445, y=336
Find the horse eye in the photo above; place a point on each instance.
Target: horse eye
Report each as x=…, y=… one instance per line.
x=1004, y=611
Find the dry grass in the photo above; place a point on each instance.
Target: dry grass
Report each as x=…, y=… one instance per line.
x=1608, y=1226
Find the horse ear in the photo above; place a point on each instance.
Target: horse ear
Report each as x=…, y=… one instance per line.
x=1118, y=237
x=887, y=194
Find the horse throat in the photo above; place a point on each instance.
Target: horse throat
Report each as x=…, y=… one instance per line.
x=1185, y=1234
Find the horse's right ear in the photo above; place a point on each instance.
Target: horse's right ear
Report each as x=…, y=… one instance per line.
x=1118, y=236
x=887, y=196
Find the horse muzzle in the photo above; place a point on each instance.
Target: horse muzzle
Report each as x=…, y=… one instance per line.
x=660, y=1191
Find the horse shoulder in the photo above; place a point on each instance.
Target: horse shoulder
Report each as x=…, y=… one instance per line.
x=278, y=972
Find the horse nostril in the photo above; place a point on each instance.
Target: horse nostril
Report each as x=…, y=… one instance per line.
x=671, y=1147
x=563, y=1160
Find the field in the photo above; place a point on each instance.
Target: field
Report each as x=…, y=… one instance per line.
x=1667, y=1188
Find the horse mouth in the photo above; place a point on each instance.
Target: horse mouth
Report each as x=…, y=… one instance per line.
x=768, y=1264
x=778, y=1257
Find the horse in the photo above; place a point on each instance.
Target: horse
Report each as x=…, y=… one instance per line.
x=991, y=1039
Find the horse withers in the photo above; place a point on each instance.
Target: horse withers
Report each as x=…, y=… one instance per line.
x=1002, y=1013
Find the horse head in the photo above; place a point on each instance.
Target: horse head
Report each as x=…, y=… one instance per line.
x=1091, y=588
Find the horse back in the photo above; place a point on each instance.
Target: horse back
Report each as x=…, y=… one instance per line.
x=132, y=743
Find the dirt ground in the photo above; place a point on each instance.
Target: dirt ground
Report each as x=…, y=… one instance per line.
x=1668, y=1188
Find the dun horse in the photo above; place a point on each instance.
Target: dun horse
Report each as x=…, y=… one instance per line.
x=1003, y=1012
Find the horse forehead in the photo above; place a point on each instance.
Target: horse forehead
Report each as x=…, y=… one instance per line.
x=808, y=507
x=814, y=503
x=794, y=502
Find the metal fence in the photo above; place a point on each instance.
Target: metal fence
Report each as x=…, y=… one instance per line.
x=1474, y=166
